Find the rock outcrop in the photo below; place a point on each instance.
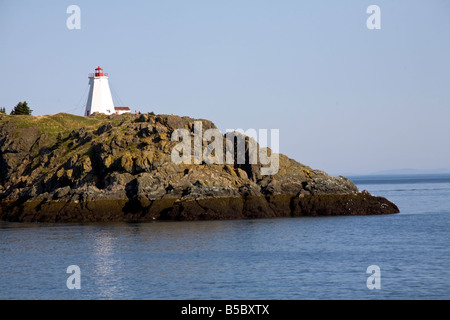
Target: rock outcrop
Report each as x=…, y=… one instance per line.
x=65, y=168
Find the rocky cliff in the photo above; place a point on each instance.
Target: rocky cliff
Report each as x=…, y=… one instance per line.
x=64, y=168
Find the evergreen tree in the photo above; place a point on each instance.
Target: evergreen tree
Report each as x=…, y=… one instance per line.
x=22, y=108
x=2, y=110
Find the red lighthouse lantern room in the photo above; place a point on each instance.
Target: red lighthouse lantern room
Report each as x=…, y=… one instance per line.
x=99, y=72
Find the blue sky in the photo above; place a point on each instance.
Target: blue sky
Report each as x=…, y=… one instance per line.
x=347, y=100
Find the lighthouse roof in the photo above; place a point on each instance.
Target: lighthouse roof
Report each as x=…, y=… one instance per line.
x=99, y=68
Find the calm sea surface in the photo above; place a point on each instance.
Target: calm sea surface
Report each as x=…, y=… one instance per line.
x=293, y=258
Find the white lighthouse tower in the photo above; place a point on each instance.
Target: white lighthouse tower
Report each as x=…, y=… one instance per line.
x=100, y=99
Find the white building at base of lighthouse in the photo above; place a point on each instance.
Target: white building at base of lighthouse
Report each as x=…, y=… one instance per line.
x=100, y=98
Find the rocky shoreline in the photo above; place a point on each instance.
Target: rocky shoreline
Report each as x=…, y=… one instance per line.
x=65, y=168
x=220, y=208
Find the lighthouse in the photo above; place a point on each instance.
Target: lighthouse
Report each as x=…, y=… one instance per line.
x=99, y=99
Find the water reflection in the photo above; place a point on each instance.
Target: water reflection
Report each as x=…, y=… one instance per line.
x=105, y=264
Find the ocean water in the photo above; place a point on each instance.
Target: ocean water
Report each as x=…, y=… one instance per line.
x=270, y=259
